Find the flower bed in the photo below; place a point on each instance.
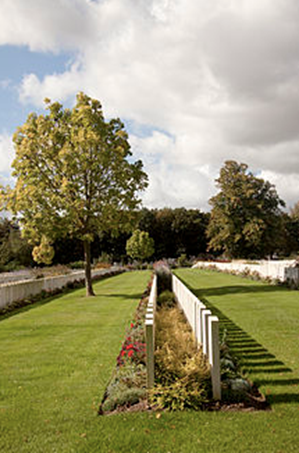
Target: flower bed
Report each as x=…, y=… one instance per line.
x=182, y=374
x=127, y=386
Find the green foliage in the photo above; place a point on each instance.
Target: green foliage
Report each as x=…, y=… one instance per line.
x=245, y=216
x=73, y=177
x=140, y=245
x=15, y=251
x=175, y=231
x=181, y=370
x=44, y=252
x=178, y=396
x=166, y=299
x=77, y=265
x=127, y=387
x=182, y=260
x=103, y=258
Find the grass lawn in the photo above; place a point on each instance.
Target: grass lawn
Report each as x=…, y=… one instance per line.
x=57, y=357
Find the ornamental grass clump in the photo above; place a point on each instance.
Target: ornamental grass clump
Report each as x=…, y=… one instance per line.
x=181, y=370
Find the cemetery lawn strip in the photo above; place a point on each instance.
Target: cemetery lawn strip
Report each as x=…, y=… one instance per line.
x=62, y=354
x=55, y=362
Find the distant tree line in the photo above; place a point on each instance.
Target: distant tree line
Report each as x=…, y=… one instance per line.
x=174, y=231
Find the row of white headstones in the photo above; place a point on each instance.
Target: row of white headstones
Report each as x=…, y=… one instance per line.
x=205, y=327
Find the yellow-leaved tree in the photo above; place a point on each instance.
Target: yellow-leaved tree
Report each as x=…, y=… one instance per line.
x=73, y=177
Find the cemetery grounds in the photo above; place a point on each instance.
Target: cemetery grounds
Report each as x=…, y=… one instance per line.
x=57, y=357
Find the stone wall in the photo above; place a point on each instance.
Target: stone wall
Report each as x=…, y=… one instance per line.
x=17, y=291
x=273, y=269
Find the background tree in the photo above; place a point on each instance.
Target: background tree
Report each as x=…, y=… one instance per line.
x=175, y=231
x=295, y=211
x=15, y=251
x=73, y=178
x=246, y=216
x=290, y=238
x=140, y=245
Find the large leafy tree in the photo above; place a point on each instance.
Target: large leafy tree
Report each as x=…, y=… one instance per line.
x=74, y=176
x=246, y=216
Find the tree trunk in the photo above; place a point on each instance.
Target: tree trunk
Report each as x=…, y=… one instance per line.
x=87, y=259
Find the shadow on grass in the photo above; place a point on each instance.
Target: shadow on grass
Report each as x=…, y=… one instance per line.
x=240, y=289
x=253, y=357
x=31, y=306
x=15, y=310
x=36, y=304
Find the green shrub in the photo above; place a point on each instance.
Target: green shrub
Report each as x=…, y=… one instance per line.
x=77, y=265
x=127, y=387
x=123, y=396
x=166, y=299
x=182, y=260
x=103, y=258
x=178, y=396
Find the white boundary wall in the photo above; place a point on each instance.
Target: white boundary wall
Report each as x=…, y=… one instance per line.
x=273, y=269
x=205, y=327
x=21, y=290
x=150, y=334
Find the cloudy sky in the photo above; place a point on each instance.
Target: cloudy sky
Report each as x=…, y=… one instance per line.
x=196, y=83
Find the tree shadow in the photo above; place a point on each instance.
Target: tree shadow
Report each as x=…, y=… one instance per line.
x=253, y=357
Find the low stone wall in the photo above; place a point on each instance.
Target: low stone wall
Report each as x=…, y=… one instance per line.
x=17, y=291
x=279, y=270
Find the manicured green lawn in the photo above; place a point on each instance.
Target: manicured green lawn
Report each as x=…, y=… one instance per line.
x=56, y=359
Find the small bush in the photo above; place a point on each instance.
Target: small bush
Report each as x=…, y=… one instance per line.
x=77, y=265
x=127, y=387
x=182, y=260
x=104, y=258
x=178, y=396
x=166, y=300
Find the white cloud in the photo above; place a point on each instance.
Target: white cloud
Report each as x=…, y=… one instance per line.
x=7, y=154
x=47, y=26
x=285, y=184
x=219, y=77
x=172, y=183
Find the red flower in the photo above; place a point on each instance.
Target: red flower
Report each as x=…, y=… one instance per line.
x=123, y=353
x=130, y=346
x=130, y=353
x=132, y=325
